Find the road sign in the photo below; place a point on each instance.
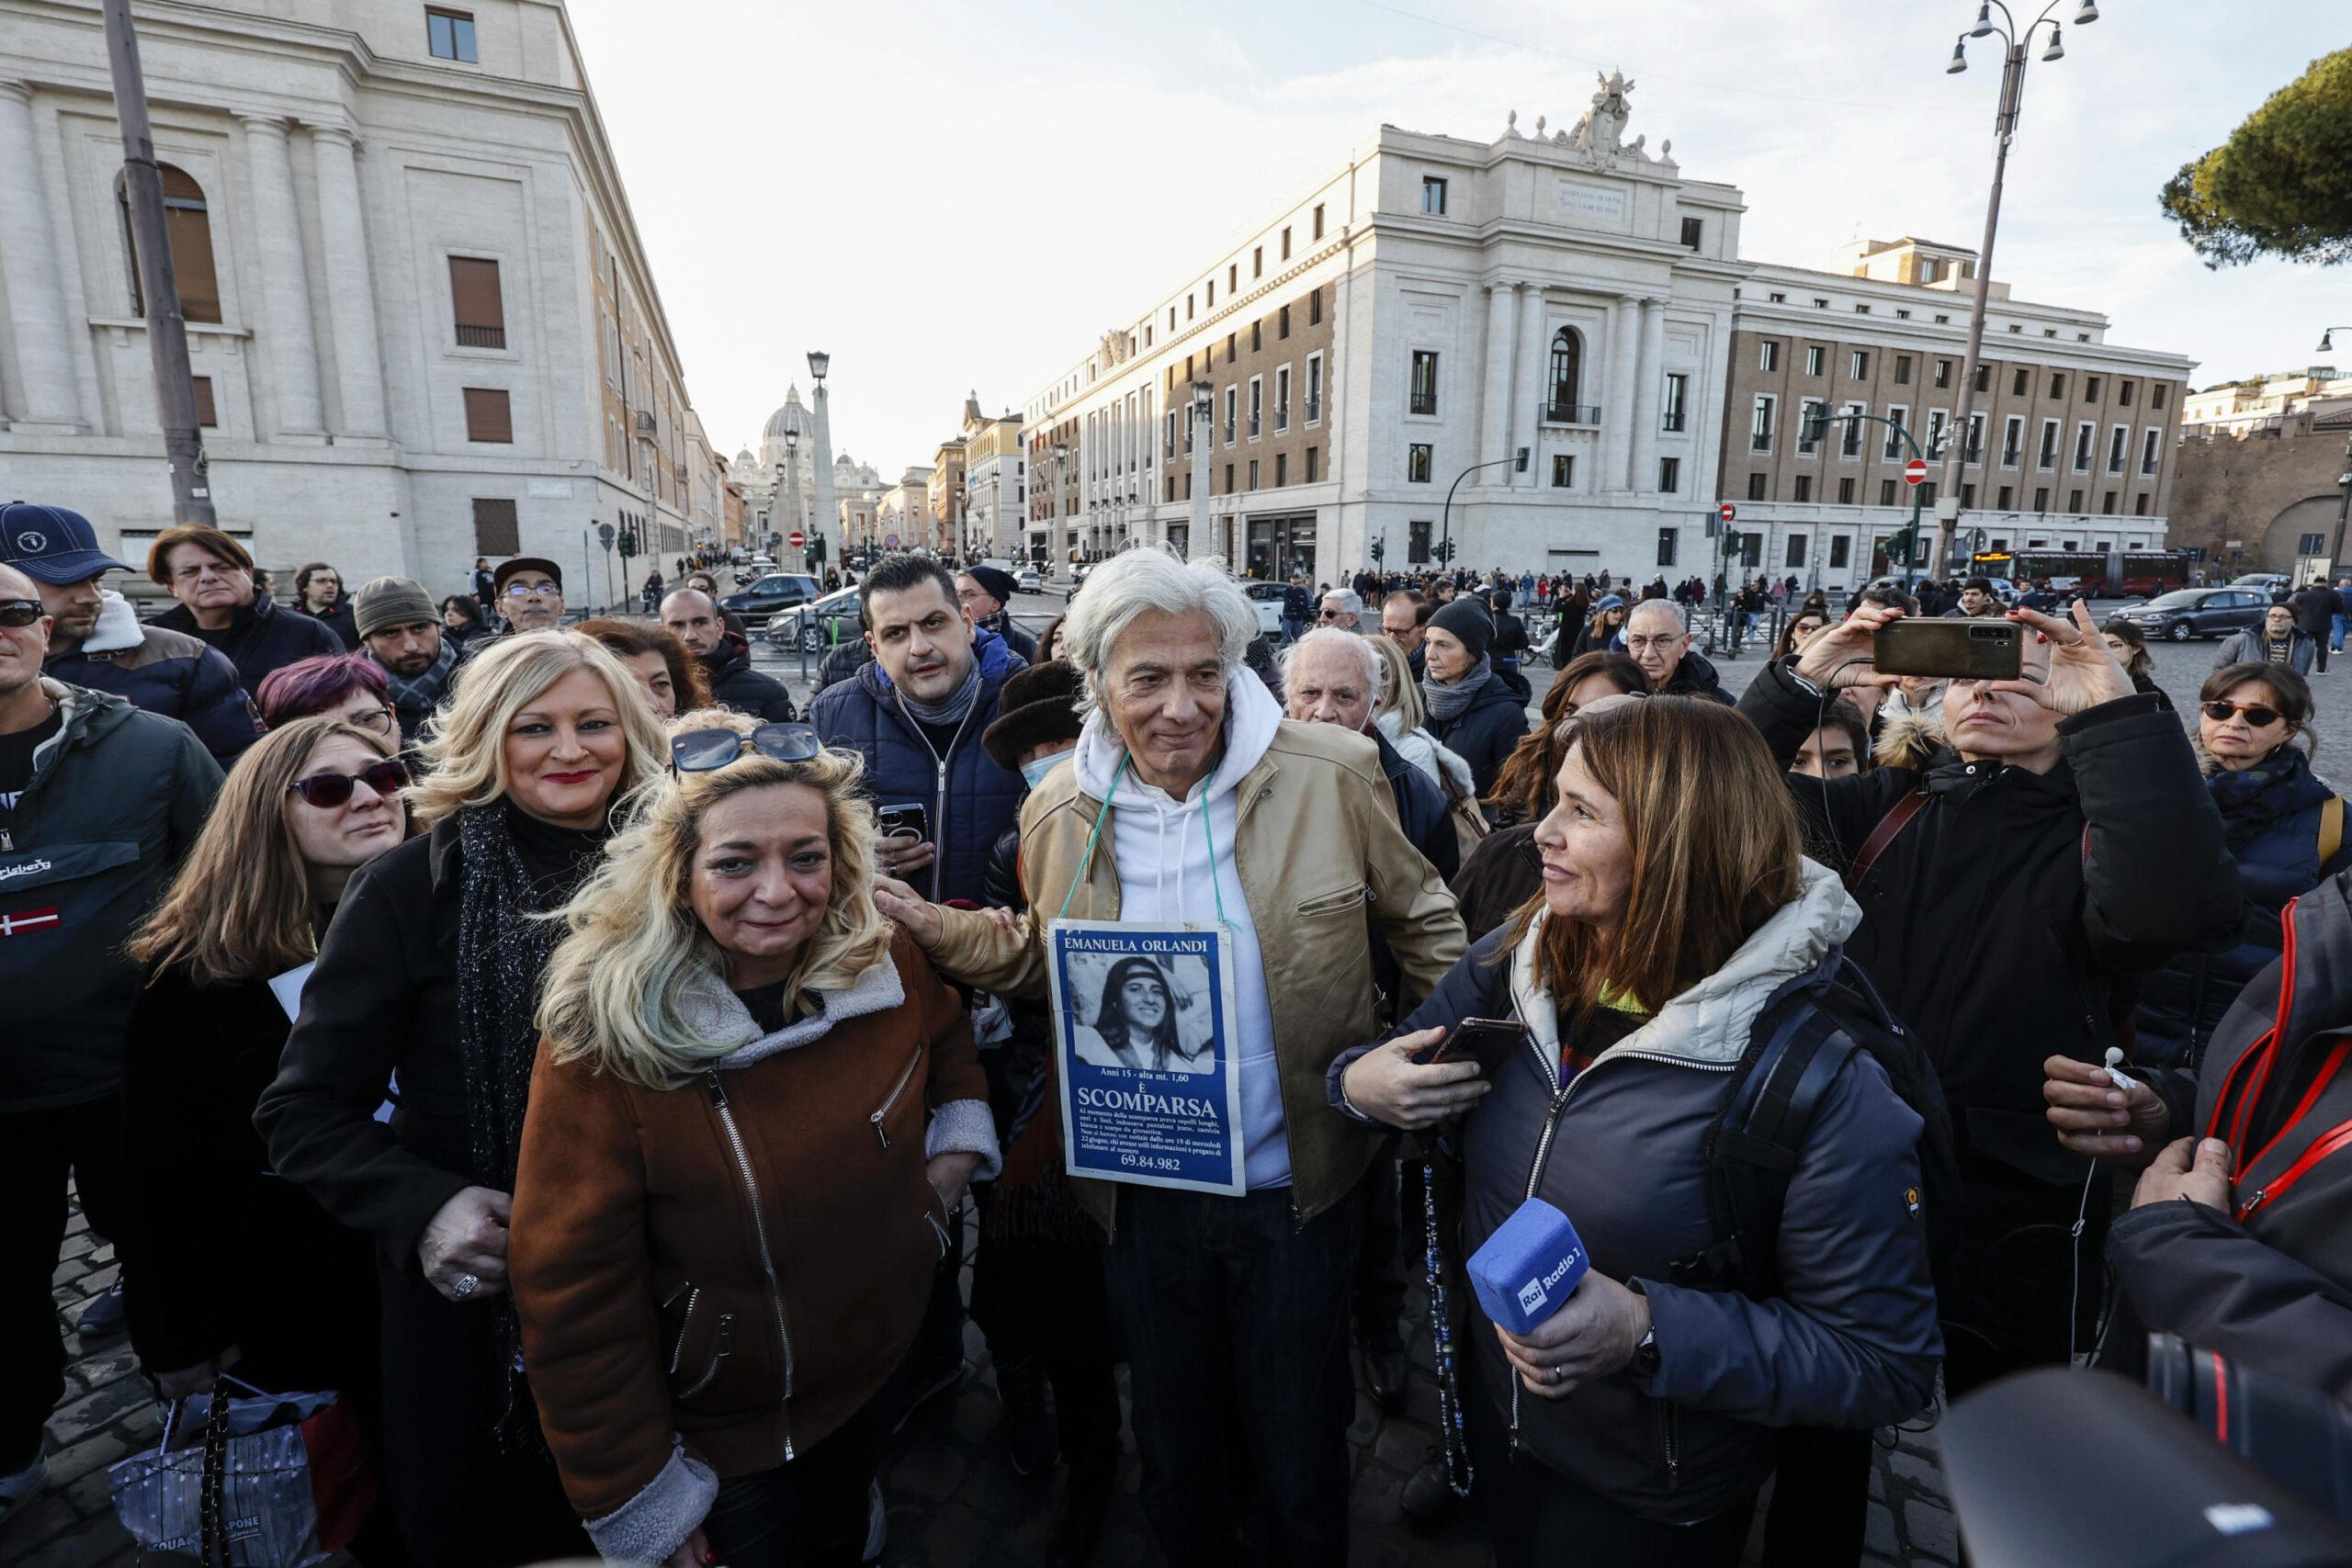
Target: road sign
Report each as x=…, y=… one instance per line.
x=889, y=541
x=1915, y=472
x=796, y=538
x=605, y=535
x=1726, y=511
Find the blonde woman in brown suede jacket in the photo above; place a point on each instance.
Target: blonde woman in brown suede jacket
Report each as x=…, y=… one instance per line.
x=755, y=1107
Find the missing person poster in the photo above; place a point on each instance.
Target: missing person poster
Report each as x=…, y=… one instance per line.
x=1143, y=1021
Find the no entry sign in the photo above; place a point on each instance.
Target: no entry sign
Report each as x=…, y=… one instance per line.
x=1726, y=511
x=796, y=538
x=1915, y=471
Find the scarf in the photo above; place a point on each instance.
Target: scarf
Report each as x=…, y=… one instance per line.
x=414, y=697
x=1447, y=702
x=502, y=953
x=2254, y=798
x=2282, y=649
x=951, y=713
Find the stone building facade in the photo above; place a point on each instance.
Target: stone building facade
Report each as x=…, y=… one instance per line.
x=2265, y=467
x=422, y=326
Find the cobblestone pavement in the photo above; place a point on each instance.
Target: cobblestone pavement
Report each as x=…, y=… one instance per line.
x=955, y=1501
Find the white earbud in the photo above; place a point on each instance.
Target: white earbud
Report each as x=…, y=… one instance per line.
x=2115, y=1070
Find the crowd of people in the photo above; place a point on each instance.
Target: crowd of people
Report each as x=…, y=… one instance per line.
x=598, y=1067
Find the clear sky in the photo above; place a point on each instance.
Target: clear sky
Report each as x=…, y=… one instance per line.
x=953, y=197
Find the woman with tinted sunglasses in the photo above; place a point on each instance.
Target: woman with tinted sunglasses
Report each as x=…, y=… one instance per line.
x=225, y=1267
x=2286, y=832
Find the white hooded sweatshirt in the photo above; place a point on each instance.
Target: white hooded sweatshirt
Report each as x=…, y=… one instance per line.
x=1161, y=848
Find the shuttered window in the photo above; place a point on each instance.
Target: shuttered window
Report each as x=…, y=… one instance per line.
x=496, y=533
x=478, y=305
x=488, y=417
x=207, y=415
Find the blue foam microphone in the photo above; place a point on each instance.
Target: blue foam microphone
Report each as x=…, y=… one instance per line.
x=1529, y=1267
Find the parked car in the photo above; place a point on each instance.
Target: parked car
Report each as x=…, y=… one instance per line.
x=2198, y=611
x=817, y=626
x=1267, y=598
x=776, y=591
x=1028, y=580
x=2272, y=585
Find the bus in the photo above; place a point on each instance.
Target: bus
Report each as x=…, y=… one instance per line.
x=2132, y=574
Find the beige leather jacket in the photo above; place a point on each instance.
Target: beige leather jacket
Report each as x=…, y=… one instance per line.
x=1317, y=849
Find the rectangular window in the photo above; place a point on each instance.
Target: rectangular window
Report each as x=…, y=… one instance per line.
x=1232, y=278
x=2123, y=394
x=1416, y=541
x=496, y=530
x=2047, y=457
x=2042, y=498
x=1943, y=372
x=1232, y=417
x=1314, y=463
x=450, y=36
x=1756, y=487
x=1668, y=541
x=1894, y=446
x=1678, y=393
x=1315, y=307
x=1281, y=399
x=1669, y=476
x=1984, y=376
x=1433, y=196
x=1285, y=243
x=2150, y=448
x=2017, y=382
x=1796, y=549
x=1760, y=423
x=1253, y=473
x=1937, y=420
x=1846, y=491
x=208, y=416
x=1968, y=497
x=1257, y=405
x=2085, y=434
x=1563, y=470
x=1424, y=388
x=1849, y=432
x=1282, y=469
x=1167, y=436
x=2140, y=505
x=1232, y=343
x=2057, y=386
x=1229, y=478
x=1976, y=439
x=2156, y=396
x=1417, y=463
x=1767, y=357
x=1314, y=390
x=1840, y=548
x=488, y=417
x=2106, y=504
x=2090, y=388
x=1857, y=364
x=1886, y=493
x=2073, y=501
x=1319, y=221
x=2119, y=443
x=1257, y=260
x=1804, y=488
x=1902, y=370
x=1283, y=322
x=2012, y=441
x=477, y=303
x=2005, y=494
x=1172, y=488
x=1813, y=353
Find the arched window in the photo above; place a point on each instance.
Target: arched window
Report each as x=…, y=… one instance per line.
x=188, y=226
x=1568, y=369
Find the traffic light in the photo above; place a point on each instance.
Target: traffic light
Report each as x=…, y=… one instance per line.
x=1379, y=550
x=629, y=538
x=1816, y=424
x=816, y=549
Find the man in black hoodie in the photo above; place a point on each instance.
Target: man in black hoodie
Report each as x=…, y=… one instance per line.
x=726, y=659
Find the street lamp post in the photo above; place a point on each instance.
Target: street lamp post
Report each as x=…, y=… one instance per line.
x=828, y=511
x=2005, y=124
x=1518, y=460
x=1061, y=525
x=792, y=491
x=1203, y=424
x=1821, y=423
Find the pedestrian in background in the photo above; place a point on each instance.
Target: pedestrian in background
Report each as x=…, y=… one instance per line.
x=672, y=678
x=418, y=657
x=347, y=687
x=221, y=604
x=318, y=593
x=1472, y=711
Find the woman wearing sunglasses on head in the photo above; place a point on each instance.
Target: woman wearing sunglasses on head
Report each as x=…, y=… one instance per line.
x=227, y=1267
x=2285, y=833
x=431, y=970
x=754, y=1106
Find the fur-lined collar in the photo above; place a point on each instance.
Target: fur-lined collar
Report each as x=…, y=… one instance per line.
x=715, y=1014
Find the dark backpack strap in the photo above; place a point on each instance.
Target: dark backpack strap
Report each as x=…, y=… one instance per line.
x=1893, y=822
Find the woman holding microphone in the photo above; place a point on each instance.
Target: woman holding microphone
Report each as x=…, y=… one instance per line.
x=1675, y=907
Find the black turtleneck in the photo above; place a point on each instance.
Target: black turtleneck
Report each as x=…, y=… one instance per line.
x=557, y=860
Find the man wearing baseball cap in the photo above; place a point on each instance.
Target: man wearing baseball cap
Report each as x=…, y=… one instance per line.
x=530, y=593
x=95, y=640
x=985, y=591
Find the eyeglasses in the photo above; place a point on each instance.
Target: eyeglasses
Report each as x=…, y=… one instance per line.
x=1329, y=615
x=704, y=751
x=533, y=589
x=377, y=719
x=328, y=790
x=19, y=613
x=2256, y=713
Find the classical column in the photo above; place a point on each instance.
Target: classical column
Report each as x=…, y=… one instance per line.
x=1495, y=413
x=359, y=363
x=1649, y=387
x=828, y=521
x=293, y=348
x=36, y=297
x=1527, y=398
x=1618, y=418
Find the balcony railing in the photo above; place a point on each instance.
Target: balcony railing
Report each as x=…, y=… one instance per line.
x=481, y=337
x=1571, y=414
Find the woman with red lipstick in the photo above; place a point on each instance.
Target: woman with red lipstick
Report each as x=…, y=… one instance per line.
x=225, y=1266
x=430, y=973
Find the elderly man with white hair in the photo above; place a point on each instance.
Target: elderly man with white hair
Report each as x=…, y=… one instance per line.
x=1342, y=610
x=1660, y=639
x=1335, y=677
x=1222, y=812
